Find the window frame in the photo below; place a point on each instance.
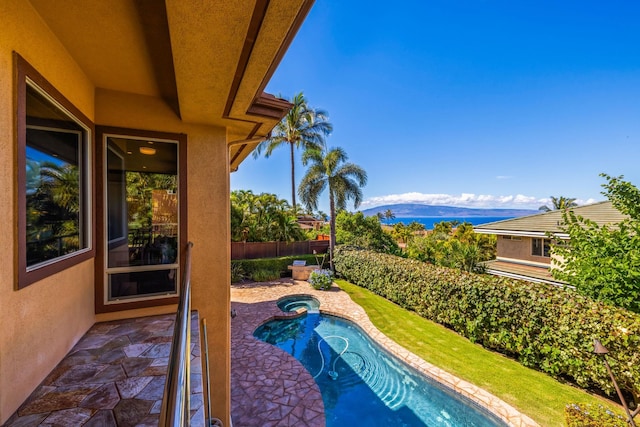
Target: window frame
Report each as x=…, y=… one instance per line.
x=102, y=305
x=27, y=75
x=545, y=247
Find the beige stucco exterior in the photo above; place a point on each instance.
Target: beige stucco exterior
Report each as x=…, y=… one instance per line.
x=208, y=197
x=519, y=250
x=41, y=322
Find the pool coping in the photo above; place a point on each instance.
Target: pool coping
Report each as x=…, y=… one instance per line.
x=337, y=303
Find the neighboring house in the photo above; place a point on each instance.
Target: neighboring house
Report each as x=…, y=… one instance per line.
x=523, y=244
x=95, y=94
x=309, y=222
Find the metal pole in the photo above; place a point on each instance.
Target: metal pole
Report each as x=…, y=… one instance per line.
x=601, y=350
x=206, y=369
x=615, y=384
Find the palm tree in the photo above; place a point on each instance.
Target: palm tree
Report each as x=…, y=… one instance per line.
x=389, y=215
x=302, y=127
x=559, y=203
x=344, y=181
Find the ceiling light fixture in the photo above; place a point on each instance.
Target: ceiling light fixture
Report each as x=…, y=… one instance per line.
x=148, y=151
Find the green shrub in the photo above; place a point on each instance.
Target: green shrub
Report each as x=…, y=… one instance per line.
x=321, y=279
x=276, y=264
x=265, y=275
x=542, y=326
x=592, y=416
x=237, y=272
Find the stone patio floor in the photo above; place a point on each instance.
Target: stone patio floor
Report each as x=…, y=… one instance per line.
x=270, y=388
x=114, y=376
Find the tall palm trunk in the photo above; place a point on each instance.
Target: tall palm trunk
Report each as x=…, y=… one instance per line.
x=332, y=232
x=293, y=180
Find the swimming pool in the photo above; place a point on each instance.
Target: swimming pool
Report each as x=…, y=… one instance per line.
x=294, y=302
x=364, y=385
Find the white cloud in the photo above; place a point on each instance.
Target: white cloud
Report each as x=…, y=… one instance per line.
x=468, y=200
x=504, y=177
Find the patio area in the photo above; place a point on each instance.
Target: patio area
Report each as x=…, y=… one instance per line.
x=114, y=376
x=271, y=388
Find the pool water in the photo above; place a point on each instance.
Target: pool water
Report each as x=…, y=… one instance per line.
x=363, y=384
x=295, y=302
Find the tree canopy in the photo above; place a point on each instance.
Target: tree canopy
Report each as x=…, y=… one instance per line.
x=330, y=170
x=263, y=218
x=303, y=127
x=603, y=262
x=458, y=247
x=559, y=203
x=365, y=232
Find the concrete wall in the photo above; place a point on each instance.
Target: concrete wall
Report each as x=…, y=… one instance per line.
x=41, y=322
x=208, y=219
x=519, y=250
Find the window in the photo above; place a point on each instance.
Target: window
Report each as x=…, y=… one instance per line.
x=141, y=223
x=54, y=201
x=517, y=238
x=540, y=247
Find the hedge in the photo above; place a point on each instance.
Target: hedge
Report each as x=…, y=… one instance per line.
x=592, y=416
x=250, y=266
x=543, y=327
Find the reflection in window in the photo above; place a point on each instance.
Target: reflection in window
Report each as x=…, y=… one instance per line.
x=142, y=217
x=54, y=182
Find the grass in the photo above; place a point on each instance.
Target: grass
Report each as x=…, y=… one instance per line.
x=533, y=393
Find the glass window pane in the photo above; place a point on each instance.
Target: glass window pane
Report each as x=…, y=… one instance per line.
x=54, y=182
x=536, y=247
x=142, y=202
x=142, y=217
x=142, y=283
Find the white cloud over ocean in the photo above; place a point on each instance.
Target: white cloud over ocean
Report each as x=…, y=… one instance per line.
x=467, y=200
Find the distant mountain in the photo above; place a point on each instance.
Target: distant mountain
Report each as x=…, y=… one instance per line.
x=415, y=210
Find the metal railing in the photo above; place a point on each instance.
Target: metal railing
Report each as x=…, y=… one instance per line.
x=177, y=388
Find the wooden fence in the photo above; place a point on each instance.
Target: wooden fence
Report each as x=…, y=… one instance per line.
x=252, y=250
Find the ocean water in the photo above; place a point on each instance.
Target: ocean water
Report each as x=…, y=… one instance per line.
x=428, y=222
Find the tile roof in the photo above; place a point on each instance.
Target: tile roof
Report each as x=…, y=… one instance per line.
x=601, y=212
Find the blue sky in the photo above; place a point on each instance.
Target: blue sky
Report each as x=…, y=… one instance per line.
x=468, y=103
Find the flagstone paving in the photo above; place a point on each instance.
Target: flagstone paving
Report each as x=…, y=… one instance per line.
x=114, y=376
x=270, y=388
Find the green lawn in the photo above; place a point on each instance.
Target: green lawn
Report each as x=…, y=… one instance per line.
x=533, y=393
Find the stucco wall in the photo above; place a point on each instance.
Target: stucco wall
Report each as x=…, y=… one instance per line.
x=41, y=322
x=519, y=250
x=207, y=216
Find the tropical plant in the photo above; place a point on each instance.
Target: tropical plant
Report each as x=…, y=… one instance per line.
x=406, y=233
x=365, y=232
x=558, y=203
x=460, y=248
x=389, y=215
x=329, y=170
x=237, y=272
x=302, y=127
x=53, y=209
x=603, y=262
x=140, y=187
x=262, y=218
